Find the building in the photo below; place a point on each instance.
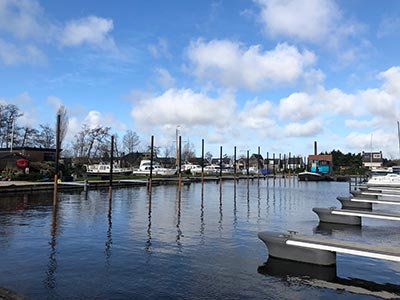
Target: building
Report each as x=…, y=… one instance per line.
x=372, y=160
x=33, y=154
x=320, y=163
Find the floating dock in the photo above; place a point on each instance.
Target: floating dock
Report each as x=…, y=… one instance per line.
x=319, y=250
x=350, y=217
x=348, y=202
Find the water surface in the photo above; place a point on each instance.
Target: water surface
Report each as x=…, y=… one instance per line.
x=196, y=243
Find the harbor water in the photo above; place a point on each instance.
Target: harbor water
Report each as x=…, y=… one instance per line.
x=197, y=242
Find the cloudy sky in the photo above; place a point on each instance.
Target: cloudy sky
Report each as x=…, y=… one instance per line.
x=279, y=74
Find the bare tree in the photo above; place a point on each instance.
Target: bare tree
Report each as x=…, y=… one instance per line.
x=168, y=151
x=130, y=141
x=9, y=113
x=28, y=137
x=188, y=151
x=46, y=137
x=92, y=142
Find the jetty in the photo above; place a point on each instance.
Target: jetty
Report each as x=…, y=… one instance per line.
x=320, y=250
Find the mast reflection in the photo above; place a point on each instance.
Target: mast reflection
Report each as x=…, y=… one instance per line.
x=50, y=280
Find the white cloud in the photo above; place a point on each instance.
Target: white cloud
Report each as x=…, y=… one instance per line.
x=308, y=129
x=24, y=19
x=392, y=81
x=340, y=103
x=165, y=78
x=297, y=107
x=380, y=140
x=90, y=30
x=234, y=66
x=315, y=21
x=12, y=54
x=379, y=103
x=161, y=49
x=257, y=115
x=389, y=27
x=184, y=107
x=358, y=123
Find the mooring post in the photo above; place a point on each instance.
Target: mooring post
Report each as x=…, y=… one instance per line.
x=202, y=162
x=247, y=165
x=258, y=162
x=111, y=168
x=151, y=164
x=180, y=163
x=234, y=166
x=220, y=166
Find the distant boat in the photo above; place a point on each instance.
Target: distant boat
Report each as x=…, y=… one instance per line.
x=388, y=180
x=312, y=176
x=104, y=169
x=145, y=166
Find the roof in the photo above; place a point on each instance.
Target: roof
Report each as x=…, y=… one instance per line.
x=321, y=157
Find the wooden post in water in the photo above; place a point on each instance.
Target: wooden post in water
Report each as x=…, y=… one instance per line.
x=202, y=163
x=268, y=170
x=289, y=167
x=220, y=166
x=180, y=163
x=151, y=164
x=234, y=166
x=258, y=163
x=56, y=168
x=111, y=168
x=247, y=165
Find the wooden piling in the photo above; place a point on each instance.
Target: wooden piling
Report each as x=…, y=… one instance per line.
x=150, y=187
x=111, y=168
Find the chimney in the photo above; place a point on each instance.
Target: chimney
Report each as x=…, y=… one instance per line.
x=315, y=148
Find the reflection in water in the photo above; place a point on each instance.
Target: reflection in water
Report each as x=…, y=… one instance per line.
x=107, y=250
x=178, y=222
x=234, y=208
x=325, y=277
x=330, y=228
x=50, y=280
x=148, y=242
x=220, y=227
x=258, y=201
x=202, y=224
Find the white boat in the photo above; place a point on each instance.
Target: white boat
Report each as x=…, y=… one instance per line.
x=104, y=169
x=312, y=176
x=145, y=165
x=388, y=180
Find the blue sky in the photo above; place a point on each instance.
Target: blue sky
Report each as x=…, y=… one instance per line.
x=268, y=73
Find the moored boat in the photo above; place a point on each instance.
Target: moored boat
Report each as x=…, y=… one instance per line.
x=145, y=166
x=388, y=180
x=104, y=169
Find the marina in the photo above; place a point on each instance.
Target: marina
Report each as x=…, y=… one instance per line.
x=199, y=241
